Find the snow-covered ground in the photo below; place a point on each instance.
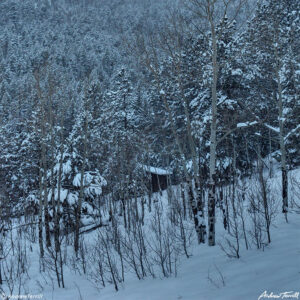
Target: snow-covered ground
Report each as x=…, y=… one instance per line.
x=207, y=274
x=276, y=269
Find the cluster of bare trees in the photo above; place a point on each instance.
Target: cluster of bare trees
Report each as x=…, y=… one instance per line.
x=14, y=259
x=251, y=207
x=150, y=249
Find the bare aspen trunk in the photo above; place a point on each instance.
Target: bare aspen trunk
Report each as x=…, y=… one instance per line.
x=81, y=192
x=127, y=197
x=199, y=214
x=136, y=205
x=143, y=209
x=53, y=186
x=41, y=245
x=61, y=270
x=265, y=199
x=45, y=193
x=129, y=209
x=55, y=205
x=57, y=211
x=221, y=199
x=270, y=156
x=183, y=200
x=124, y=210
x=213, y=131
x=282, y=145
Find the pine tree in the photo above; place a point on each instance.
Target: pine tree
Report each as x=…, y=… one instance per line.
x=271, y=42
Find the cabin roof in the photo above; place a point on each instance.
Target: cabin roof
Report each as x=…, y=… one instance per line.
x=155, y=170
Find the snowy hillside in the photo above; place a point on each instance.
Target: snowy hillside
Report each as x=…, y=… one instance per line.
x=208, y=273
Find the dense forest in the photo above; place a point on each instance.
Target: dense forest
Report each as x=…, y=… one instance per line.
x=98, y=98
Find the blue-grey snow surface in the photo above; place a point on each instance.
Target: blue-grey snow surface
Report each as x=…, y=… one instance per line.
x=275, y=269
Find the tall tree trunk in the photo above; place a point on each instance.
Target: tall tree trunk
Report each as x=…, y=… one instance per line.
x=282, y=144
x=182, y=190
x=45, y=193
x=57, y=211
x=40, y=225
x=264, y=197
x=55, y=204
x=54, y=208
x=81, y=192
x=213, y=131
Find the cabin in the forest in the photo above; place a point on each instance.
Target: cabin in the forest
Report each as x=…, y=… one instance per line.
x=159, y=177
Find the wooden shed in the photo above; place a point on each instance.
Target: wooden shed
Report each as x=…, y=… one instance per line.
x=159, y=177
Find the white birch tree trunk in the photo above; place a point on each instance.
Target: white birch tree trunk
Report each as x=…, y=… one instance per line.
x=213, y=141
x=284, y=171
